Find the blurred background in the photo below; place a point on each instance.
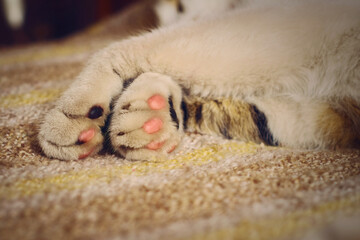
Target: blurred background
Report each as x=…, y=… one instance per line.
x=28, y=21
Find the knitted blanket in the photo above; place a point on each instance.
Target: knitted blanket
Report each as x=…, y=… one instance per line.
x=211, y=189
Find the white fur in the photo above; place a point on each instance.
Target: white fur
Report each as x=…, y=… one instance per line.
x=290, y=58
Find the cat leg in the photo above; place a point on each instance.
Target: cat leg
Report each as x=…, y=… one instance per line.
x=226, y=117
x=72, y=130
x=308, y=124
x=147, y=119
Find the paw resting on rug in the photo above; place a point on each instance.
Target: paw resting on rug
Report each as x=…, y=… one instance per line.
x=287, y=76
x=143, y=122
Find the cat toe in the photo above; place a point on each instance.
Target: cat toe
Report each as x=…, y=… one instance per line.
x=66, y=138
x=142, y=124
x=86, y=135
x=155, y=145
x=156, y=102
x=91, y=138
x=87, y=153
x=153, y=125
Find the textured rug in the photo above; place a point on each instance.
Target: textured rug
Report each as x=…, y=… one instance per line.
x=211, y=189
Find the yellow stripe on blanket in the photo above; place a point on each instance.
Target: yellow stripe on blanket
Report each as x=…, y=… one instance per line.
x=32, y=97
x=47, y=53
x=51, y=52
x=295, y=223
x=80, y=179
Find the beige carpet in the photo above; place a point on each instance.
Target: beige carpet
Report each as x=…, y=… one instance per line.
x=211, y=189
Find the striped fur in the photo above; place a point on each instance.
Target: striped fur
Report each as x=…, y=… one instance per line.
x=235, y=119
x=225, y=117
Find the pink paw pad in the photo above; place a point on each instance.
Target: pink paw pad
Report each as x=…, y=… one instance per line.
x=86, y=135
x=172, y=149
x=154, y=145
x=85, y=155
x=153, y=125
x=156, y=102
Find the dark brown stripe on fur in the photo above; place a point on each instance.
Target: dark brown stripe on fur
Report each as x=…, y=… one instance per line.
x=261, y=123
x=173, y=114
x=185, y=113
x=198, y=113
x=224, y=130
x=127, y=83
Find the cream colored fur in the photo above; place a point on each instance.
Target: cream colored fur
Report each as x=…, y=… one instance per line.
x=292, y=59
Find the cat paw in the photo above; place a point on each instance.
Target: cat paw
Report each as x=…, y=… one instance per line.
x=67, y=136
x=147, y=120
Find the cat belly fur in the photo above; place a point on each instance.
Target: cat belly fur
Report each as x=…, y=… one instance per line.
x=272, y=50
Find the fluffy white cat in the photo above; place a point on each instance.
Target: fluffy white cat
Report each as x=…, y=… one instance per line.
x=296, y=63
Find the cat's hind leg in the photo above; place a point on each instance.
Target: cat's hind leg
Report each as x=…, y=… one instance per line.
x=309, y=124
x=147, y=119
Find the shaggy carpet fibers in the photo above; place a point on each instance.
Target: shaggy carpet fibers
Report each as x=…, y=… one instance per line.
x=210, y=189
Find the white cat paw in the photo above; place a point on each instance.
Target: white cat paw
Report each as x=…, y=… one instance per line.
x=147, y=120
x=67, y=136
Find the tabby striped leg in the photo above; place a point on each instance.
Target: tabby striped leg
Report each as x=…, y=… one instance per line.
x=226, y=117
